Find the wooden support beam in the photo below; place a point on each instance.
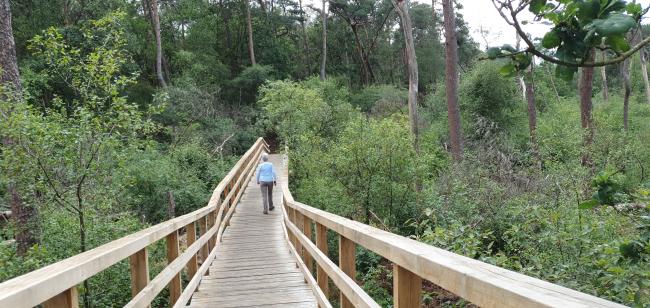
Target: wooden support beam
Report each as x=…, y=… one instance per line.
x=212, y=219
x=139, y=264
x=307, y=230
x=347, y=263
x=67, y=299
x=192, y=266
x=321, y=243
x=407, y=288
x=175, y=287
x=203, y=229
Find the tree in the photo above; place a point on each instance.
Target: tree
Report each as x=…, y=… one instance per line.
x=412, y=67
x=532, y=111
x=249, y=28
x=586, y=106
x=643, y=57
x=603, y=76
x=25, y=216
x=153, y=6
x=451, y=79
x=323, y=60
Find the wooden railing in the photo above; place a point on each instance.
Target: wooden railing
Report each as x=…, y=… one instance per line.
x=56, y=285
x=482, y=284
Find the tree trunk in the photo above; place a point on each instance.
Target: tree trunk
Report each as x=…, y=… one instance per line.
x=644, y=72
x=323, y=60
x=550, y=75
x=171, y=208
x=155, y=18
x=249, y=27
x=451, y=79
x=366, y=70
x=307, y=55
x=627, y=84
x=532, y=112
x=586, y=118
x=412, y=68
x=25, y=216
x=603, y=75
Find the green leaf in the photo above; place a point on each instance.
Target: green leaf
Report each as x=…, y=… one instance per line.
x=508, y=70
x=614, y=24
x=551, y=40
x=618, y=43
x=493, y=52
x=589, y=204
x=536, y=6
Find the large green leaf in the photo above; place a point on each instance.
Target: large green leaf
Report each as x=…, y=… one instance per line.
x=614, y=24
x=618, y=43
x=551, y=40
x=536, y=6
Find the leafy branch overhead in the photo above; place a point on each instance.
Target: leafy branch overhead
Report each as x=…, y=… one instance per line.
x=578, y=27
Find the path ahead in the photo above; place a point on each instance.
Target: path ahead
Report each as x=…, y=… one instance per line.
x=253, y=266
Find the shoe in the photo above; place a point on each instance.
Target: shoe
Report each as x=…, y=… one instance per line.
x=271, y=208
x=266, y=212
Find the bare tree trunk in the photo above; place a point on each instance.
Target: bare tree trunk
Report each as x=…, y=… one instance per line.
x=153, y=6
x=627, y=84
x=307, y=56
x=586, y=117
x=323, y=60
x=366, y=71
x=520, y=79
x=249, y=27
x=603, y=75
x=25, y=216
x=532, y=112
x=644, y=72
x=412, y=67
x=451, y=79
x=434, y=38
x=171, y=208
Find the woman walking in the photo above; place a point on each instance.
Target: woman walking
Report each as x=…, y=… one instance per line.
x=266, y=178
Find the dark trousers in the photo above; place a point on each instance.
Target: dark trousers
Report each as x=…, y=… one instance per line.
x=267, y=195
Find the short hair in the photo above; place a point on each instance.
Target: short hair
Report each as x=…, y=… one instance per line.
x=265, y=157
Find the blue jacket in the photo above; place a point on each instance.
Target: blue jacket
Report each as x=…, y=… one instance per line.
x=266, y=172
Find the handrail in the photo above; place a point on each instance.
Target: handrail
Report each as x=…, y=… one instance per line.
x=483, y=284
x=55, y=284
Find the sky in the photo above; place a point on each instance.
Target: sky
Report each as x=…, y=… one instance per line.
x=481, y=14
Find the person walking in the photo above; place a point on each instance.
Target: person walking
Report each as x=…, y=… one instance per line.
x=266, y=178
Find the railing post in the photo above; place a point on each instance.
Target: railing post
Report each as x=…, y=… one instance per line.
x=212, y=220
x=203, y=251
x=172, y=254
x=321, y=243
x=407, y=288
x=307, y=231
x=139, y=263
x=192, y=265
x=66, y=299
x=347, y=263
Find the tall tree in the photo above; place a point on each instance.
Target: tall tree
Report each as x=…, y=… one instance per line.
x=627, y=90
x=155, y=19
x=323, y=60
x=25, y=216
x=643, y=57
x=586, y=106
x=451, y=79
x=412, y=67
x=532, y=110
x=249, y=28
x=603, y=76
x=305, y=39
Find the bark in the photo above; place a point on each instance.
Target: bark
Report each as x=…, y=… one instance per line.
x=603, y=75
x=25, y=216
x=451, y=79
x=9, y=76
x=305, y=39
x=532, y=112
x=412, y=68
x=627, y=84
x=586, y=117
x=171, y=208
x=249, y=28
x=323, y=60
x=155, y=18
x=366, y=70
x=644, y=72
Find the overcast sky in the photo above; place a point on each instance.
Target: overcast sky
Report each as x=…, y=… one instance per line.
x=482, y=14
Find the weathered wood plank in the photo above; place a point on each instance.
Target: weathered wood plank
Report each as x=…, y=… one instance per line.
x=321, y=243
x=175, y=287
x=68, y=299
x=407, y=288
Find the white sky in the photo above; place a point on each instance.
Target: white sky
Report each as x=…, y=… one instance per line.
x=482, y=14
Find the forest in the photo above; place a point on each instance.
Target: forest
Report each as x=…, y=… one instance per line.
x=116, y=115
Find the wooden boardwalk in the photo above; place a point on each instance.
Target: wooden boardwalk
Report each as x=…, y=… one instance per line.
x=253, y=266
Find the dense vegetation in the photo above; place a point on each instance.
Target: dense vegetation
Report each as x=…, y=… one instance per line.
x=103, y=128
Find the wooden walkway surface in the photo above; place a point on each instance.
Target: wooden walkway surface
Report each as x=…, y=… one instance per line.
x=253, y=266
